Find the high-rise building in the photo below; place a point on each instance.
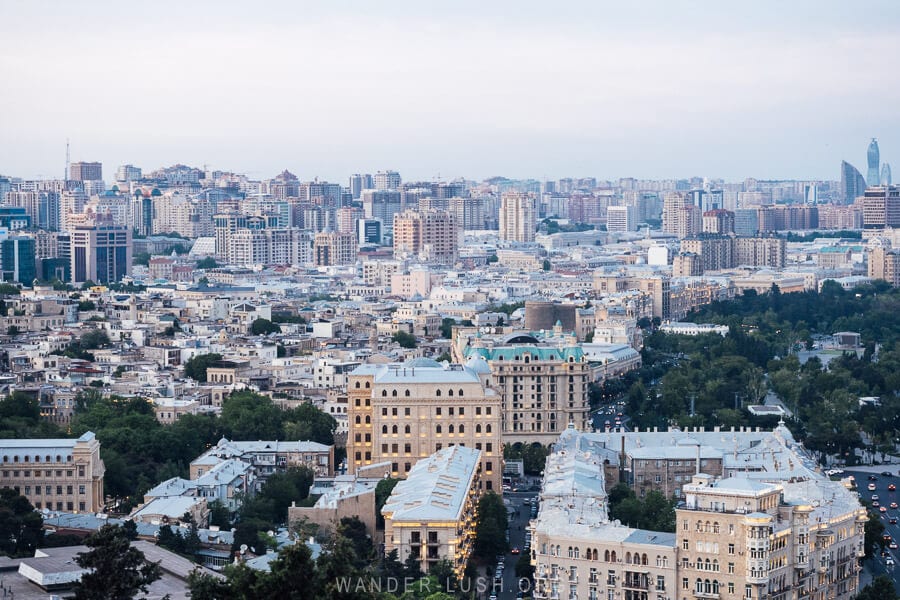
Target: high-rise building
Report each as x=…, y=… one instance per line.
x=718, y=221
x=86, y=171
x=746, y=221
x=873, y=158
x=14, y=218
x=369, y=232
x=853, y=184
x=128, y=173
x=518, y=217
x=356, y=185
x=332, y=248
x=17, y=255
x=680, y=215
x=387, y=180
x=883, y=261
x=429, y=235
x=101, y=251
x=621, y=219
x=382, y=205
x=886, y=174
x=41, y=206
x=402, y=413
x=881, y=207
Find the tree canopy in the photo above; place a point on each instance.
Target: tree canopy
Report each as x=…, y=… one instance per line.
x=118, y=571
x=196, y=366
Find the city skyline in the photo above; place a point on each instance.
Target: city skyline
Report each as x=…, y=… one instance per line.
x=467, y=90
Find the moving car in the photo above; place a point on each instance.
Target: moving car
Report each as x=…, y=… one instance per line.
x=871, y=487
x=515, y=550
x=892, y=488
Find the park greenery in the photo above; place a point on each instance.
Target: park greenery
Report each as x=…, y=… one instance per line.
x=491, y=524
x=710, y=379
x=654, y=511
x=115, y=569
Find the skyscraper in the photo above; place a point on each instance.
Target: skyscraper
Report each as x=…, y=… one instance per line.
x=885, y=174
x=85, y=171
x=517, y=217
x=852, y=183
x=101, y=251
x=873, y=177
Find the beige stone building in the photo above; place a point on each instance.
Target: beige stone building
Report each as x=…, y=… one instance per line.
x=431, y=515
x=757, y=522
x=57, y=474
x=339, y=497
x=401, y=413
x=428, y=235
x=518, y=217
x=543, y=384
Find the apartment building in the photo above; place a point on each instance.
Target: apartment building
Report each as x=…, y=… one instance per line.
x=757, y=522
x=402, y=413
x=431, y=515
x=518, y=217
x=542, y=383
x=430, y=236
x=332, y=248
x=57, y=474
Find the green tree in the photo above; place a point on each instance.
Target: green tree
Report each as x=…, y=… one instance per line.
x=250, y=416
x=447, y=324
x=382, y=492
x=20, y=525
x=406, y=340
x=8, y=289
x=306, y=422
x=117, y=571
x=93, y=339
x=141, y=258
x=264, y=327
x=196, y=366
x=12, y=330
x=490, y=526
x=292, y=575
x=881, y=588
x=873, y=540
x=207, y=263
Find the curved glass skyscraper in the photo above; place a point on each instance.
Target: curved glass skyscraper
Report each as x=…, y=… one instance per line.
x=885, y=174
x=873, y=176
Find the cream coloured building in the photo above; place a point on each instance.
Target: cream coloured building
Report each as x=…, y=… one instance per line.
x=760, y=523
x=431, y=514
x=57, y=474
x=401, y=413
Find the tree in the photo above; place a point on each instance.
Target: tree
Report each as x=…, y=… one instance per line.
x=250, y=416
x=20, y=525
x=8, y=289
x=207, y=263
x=406, y=340
x=306, y=422
x=196, y=366
x=881, y=588
x=12, y=330
x=490, y=526
x=382, y=492
x=447, y=324
x=117, y=570
x=93, y=339
x=264, y=327
x=872, y=539
x=292, y=575
x=141, y=258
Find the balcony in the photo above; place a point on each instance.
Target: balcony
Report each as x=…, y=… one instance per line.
x=711, y=595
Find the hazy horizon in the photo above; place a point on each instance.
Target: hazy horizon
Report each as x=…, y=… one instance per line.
x=522, y=89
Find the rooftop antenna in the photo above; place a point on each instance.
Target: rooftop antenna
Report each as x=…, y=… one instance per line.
x=66, y=174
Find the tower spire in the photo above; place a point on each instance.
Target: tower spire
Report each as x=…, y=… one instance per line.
x=66, y=174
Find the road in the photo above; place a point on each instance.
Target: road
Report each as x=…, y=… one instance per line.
x=877, y=565
x=518, y=524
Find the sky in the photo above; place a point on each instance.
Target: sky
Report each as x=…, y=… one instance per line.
x=668, y=88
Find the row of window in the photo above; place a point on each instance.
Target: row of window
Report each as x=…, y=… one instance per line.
x=36, y=459
x=407, y=448
x=48, y=490
x=37, y=472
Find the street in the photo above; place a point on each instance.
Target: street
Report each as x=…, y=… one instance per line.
x=518, y=525
x=877, y=565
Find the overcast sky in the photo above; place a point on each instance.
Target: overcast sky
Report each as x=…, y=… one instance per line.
x=521, y=89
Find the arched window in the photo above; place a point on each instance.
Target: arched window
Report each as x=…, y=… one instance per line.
x=450, y=428
x=715, y=587
x=478, y=428
x=462, y=428
x=487, y=428
x=628, y=558
x=460, y=393
x=450, y=392
x=368, y=420
x=613, y=556
x=383, y=429
x=406, y=429
x=437, y=393
x=37, y=459
x=357, y=385
x=367, y=385
x=394, y=430
x=577, y=553
x=437, y=429
x=47, y=458
x=644, y=560
x=384, y=393
x=699, y=525
x=707, y=586
x=698, y=587
x=606, y=555
x=358, y=421
x=406, y=393
x=394, y=393
x=715, y=527
x=15, y=459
